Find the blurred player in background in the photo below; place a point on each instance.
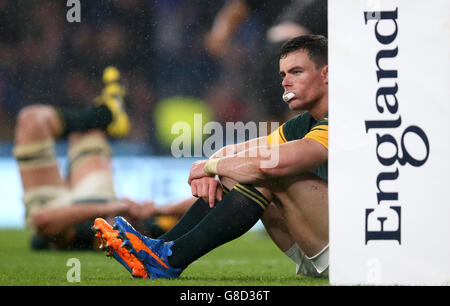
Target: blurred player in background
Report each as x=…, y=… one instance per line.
x=291, y=197
x=60, y=211
x=283, y=20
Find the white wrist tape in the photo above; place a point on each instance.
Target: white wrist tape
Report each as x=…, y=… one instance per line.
x=211, y=166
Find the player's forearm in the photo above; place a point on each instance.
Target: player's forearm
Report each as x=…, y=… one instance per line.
x=296, y=157
x=262, y=164
x=225, y=151
x=230, y=17
x=234, y=149
x=243, y=167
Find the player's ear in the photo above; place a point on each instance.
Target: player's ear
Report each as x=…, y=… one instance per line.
x=324, y=74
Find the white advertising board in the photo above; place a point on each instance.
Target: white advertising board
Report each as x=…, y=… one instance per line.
x=389, y=151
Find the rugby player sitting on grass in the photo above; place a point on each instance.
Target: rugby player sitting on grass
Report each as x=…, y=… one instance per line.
x=291, y=198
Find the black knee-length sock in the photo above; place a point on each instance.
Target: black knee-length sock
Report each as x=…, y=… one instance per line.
x=79, y=120
x=191, y=218
x=237, y=213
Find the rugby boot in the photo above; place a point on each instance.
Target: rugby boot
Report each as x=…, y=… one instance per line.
x=153, y=253
x=113, y=247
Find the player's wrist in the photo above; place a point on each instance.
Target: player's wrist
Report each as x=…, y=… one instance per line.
x=210, y=167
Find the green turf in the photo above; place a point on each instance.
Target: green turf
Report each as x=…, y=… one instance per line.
x=251, y=260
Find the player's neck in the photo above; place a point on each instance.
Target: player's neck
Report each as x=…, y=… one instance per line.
x=320, y=108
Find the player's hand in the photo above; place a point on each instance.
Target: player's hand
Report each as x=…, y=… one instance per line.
x=208, y=188
x=197, y=170
x=148, y=209
x=140, y=211
x=215, y=42
x=120, y=207
x=130, y=208
x=285, y=31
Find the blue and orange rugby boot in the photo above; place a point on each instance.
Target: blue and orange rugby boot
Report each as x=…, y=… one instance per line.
x=153, y=253
x=113, y=247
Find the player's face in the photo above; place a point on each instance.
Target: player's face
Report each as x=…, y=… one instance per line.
x=301, y=77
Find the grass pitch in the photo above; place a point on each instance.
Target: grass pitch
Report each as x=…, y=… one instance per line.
x=251, y=260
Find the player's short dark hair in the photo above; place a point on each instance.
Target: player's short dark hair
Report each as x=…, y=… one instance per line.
x=315, y=45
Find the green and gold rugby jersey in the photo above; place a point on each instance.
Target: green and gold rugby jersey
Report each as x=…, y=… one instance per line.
x=304, y=126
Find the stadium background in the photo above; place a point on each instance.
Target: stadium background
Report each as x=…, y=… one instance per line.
x=159, y=48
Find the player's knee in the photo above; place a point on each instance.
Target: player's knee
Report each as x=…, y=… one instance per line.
x=31, y=114
x=310, y=184
x=311, y=178
x=33, y=119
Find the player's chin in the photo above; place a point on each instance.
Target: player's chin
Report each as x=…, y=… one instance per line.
x=295, y=104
